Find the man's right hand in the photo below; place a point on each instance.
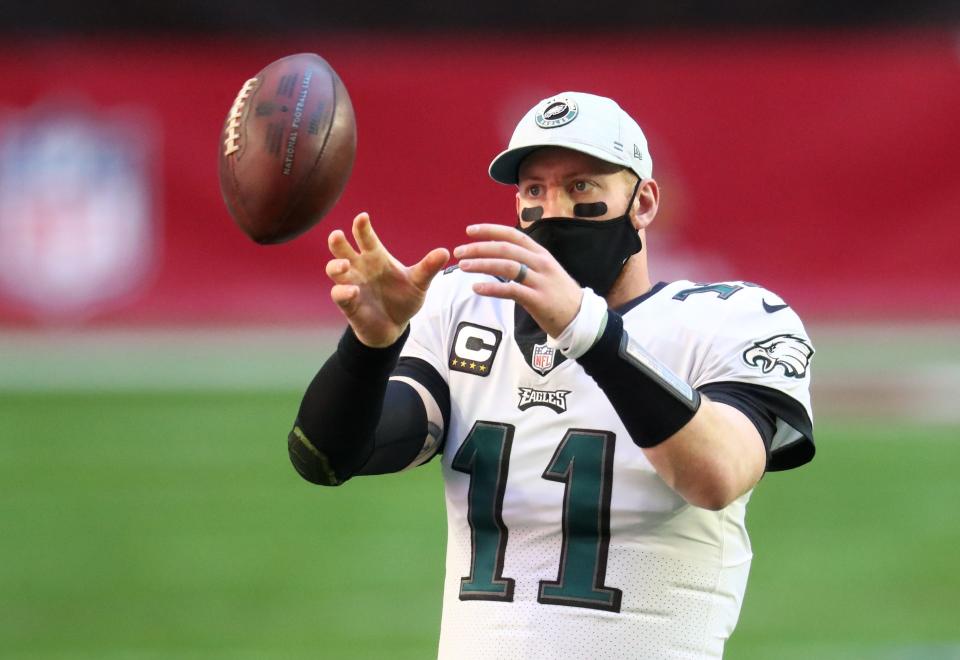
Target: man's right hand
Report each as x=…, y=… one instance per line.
x=377, y=293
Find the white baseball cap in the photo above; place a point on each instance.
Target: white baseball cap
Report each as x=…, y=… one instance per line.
x=590, y=124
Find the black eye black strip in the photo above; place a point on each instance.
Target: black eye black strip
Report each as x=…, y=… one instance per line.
x=531, y=214
x=592, y=210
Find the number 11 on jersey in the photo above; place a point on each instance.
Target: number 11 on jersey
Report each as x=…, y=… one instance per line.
x=485, y=456
x=583, y=462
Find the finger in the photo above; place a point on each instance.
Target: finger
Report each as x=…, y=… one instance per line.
x=344, y=295
x=489, y=231
x=507, y=269
x=422, y=272
x=363, y=232
x=497, y=250
x=338, y=270
x=507, y=290
x=340, y=247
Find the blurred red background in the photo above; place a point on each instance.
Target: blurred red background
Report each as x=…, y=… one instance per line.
x=821, y=166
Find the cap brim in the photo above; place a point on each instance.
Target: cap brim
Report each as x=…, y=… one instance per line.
x=505, y=168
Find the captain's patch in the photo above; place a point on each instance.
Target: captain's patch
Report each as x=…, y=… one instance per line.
x=474, y=347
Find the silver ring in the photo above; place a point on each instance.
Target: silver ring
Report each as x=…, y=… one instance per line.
x=521, y=275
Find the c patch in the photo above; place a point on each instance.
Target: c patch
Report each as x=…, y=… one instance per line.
x=474, y=347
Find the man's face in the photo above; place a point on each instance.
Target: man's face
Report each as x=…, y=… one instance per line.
x=557, y=179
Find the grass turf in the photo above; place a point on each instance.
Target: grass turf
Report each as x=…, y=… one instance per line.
x=161, y=525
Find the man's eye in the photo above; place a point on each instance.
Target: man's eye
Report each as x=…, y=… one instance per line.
x=533, y=191
x=581, y=186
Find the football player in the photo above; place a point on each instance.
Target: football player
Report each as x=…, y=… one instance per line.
x=599, y=433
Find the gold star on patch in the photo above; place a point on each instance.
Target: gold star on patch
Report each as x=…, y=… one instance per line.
x=483, y=368
x=473, y=365
x=463, y=363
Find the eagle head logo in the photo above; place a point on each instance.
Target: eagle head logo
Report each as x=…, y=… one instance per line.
x=791, y=352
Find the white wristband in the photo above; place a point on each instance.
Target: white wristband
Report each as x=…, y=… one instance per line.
x=585, y=328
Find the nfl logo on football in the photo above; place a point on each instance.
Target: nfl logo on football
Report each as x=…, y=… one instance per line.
x=542, y=359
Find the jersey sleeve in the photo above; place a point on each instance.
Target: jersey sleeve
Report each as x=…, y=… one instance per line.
x=760, y=341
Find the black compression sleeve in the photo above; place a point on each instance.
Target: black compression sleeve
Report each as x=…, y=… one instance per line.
x=333, y=436
x=651, y=401
x=406, y=435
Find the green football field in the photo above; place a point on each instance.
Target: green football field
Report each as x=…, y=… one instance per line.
x=171, y=525
x=167, y=523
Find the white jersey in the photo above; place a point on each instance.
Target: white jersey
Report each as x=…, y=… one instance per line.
x=563, y=542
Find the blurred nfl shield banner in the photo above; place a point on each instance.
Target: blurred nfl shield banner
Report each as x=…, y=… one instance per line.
x=77, y=216
x=822, y=166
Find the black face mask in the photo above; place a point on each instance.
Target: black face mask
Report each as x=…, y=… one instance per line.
x=593, y=252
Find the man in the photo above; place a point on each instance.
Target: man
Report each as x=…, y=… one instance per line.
x=600, y=435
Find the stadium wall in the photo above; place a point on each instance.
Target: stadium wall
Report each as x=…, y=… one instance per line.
x=822, y=165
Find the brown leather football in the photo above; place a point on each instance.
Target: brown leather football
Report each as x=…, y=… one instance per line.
x=288, y=147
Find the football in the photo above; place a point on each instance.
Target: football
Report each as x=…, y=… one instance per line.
x=287, y=148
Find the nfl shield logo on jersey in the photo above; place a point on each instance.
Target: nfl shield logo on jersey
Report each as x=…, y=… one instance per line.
x=542, y=358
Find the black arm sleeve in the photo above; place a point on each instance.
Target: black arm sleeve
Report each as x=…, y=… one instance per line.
x=353, y=421
x=402, y=434
x=650, y=400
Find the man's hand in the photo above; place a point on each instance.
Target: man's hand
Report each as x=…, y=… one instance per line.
x=546, y=291
x=377, y=293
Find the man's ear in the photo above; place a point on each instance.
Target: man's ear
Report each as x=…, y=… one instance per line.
x=645, y=204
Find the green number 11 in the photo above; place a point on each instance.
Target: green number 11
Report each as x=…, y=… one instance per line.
x=583, y=462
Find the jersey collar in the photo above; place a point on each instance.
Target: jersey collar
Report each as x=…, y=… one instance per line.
x=627, y=306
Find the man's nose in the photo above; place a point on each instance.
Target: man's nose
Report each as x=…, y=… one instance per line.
x=557, y=204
